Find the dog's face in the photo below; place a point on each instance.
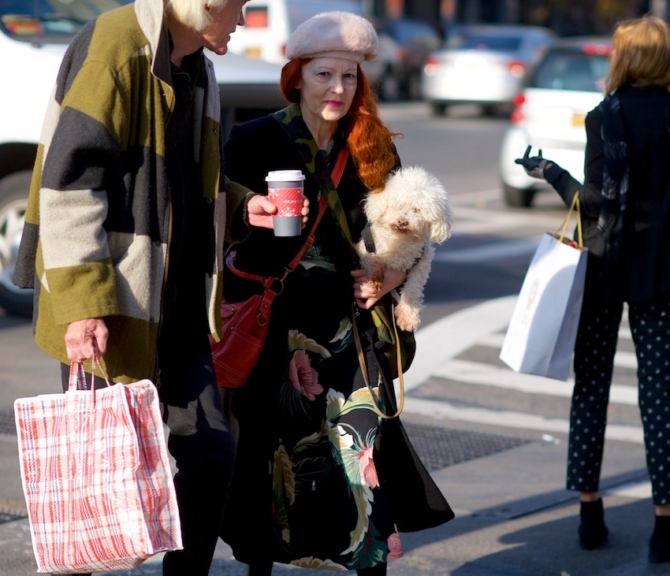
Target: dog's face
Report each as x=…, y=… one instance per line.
x=401, y=218
x=413, y=203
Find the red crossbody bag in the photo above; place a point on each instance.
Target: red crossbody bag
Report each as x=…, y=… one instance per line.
x=246, y=323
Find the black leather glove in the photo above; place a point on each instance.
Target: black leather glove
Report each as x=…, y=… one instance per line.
x=535, y=165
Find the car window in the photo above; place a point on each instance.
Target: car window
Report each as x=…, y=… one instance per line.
x=563, y=70
x=539, y=42
x=486, y=42
x=405, y=31
x=34, y=20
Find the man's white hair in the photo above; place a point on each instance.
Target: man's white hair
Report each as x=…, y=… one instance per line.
x=194, y=13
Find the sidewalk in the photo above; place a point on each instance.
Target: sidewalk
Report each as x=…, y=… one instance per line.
x=513, y=515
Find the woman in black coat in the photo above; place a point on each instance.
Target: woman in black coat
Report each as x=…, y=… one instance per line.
x=308, y=485
x=625, y=210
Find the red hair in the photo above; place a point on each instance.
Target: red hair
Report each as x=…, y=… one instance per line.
x=370, y=143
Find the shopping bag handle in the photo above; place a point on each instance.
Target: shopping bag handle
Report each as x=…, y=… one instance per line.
x=77, y=379
x=574, y=207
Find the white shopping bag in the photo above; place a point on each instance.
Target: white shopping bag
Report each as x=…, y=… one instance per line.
x=541, y=335
x=96, y=477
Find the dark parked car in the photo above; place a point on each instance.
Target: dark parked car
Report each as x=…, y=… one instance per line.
x=386, y=71
x=417, y=39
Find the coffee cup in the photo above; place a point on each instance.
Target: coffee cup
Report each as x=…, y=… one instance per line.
x=285, y=191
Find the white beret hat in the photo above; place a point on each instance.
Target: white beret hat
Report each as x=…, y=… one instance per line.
x=334, y=35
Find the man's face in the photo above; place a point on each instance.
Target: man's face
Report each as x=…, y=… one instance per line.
x=224, y=21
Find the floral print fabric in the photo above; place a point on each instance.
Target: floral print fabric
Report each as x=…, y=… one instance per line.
x=324, y=479
x=305, y=489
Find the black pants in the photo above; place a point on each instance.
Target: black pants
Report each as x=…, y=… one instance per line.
x=593, y=363
x=202, y=446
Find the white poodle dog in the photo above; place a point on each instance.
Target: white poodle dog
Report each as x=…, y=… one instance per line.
x=406, y=218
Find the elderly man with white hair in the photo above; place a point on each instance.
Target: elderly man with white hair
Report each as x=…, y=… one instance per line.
x=124, y=232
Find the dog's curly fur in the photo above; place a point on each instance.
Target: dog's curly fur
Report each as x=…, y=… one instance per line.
x=406, y=218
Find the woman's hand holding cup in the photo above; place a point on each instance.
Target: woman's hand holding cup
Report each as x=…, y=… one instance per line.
x=260, y=211
x=304, y=211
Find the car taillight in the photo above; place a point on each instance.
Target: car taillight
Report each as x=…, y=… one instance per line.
x=430, y=67
x=518, y=115
x=600, y=49
x=256, y=17
x=516, y=69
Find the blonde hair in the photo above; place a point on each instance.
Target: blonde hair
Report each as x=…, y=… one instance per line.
x=194, y=13
x=640, y=54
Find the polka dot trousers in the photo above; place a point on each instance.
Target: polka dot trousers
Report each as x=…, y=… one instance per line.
x=593, y=364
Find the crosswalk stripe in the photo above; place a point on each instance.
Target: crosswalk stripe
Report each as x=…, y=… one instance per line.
x=474, y=197
x=440, y=342
x=624, y=334
x=621, y=358
x=448, y=337
x=510, y=419
x=488, y=252
x=638, y=490
x=489, y=375
x=509, y=220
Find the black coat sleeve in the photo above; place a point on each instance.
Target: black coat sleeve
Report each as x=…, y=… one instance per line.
x=589, y=192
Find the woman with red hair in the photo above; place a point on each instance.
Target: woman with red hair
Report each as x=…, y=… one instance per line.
x=309, y=486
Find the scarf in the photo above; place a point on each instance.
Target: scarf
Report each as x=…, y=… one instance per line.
x=616, y=173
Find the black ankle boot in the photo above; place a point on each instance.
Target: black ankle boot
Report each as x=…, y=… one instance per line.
x=592, y=530
x=659, y=544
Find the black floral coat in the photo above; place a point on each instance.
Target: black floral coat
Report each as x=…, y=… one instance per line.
x=305, y=490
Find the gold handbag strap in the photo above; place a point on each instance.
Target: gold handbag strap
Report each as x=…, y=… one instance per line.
x=364, y=370
x=574, y=207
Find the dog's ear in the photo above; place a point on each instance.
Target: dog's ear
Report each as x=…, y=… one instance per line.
x=440, y=231
x=374, y=205
x=440, y=228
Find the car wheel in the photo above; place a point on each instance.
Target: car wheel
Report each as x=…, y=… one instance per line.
x=389, y=86
x=13, y=203
x=439, y=108
x=518, y=198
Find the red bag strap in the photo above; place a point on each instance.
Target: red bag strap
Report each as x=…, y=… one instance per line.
x=338, y=169
x=264, y=280
x=267, y=281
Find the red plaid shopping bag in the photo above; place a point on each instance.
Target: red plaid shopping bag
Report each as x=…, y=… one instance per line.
x=96, y=477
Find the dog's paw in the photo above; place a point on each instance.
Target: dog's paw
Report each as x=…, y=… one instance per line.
x=407, y=317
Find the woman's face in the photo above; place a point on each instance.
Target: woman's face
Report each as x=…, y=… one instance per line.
x=327, y=88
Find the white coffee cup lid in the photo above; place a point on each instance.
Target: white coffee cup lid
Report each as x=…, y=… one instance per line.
x=284, y=176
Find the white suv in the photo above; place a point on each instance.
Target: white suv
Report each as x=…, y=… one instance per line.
x=34, y=35
x=549, y=114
